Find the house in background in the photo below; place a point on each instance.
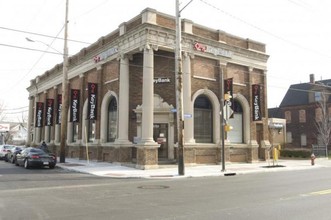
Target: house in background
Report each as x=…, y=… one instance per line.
x=303, y=109
x=13, y=133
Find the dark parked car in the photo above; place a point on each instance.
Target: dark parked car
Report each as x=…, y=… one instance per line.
x=4, y=149
x=35, y=157
x=11, y=155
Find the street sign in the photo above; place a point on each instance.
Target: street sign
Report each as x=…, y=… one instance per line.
x=187, y=115
x=227, y=112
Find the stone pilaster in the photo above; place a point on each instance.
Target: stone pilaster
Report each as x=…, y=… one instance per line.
x=123, y=105
x=187, y=100
x=147, y=149
x=30, y=120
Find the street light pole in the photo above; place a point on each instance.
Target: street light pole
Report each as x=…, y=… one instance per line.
x=37, y=41
x=64, y=109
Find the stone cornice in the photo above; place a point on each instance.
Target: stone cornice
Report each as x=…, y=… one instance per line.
x=158, y=38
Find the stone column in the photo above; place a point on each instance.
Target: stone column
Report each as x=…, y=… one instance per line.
x=123, y=102
x=81, y=108
x=147, y=152
x=30, y=121
x=57, y=125
x=122, y=141
x=148, y=96
x=53, y=127
x=37, y=131
x=47, y=129
x=100, y=86
x=254, y=145
x=187, y=100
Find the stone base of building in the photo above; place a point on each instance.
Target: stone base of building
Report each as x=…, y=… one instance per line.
x=212, y=154
x=265, y=150
x=147, y=156
x=117, y=153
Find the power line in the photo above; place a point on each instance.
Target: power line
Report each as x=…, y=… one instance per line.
x=262, y=30
x=26, y=48
x=14, y=109
x=42, y=35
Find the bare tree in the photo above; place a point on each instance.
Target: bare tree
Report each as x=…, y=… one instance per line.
x=2, y=112
x=7, y=137
x=323, y=122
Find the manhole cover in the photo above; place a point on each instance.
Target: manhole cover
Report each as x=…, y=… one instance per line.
x=153, y=187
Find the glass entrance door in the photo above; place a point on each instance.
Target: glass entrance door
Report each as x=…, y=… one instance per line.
x=160, y=135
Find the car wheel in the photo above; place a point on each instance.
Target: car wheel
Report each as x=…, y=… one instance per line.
x=26, y=164
x=52, y=166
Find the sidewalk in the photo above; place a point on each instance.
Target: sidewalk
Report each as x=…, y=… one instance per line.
x=171, y=171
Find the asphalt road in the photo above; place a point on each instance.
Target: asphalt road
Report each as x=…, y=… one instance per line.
x=59, y=194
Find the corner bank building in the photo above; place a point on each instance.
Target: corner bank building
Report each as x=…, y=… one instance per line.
x=122, y=96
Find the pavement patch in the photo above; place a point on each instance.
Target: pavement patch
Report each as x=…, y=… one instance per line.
x=72, y=164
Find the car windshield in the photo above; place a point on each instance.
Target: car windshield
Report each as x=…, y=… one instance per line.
x=8, y=146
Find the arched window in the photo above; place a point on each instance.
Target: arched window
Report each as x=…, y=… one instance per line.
x=236, y=134
x=112, y=121
x=203, y=120
x=91, y=130
x=75, y=132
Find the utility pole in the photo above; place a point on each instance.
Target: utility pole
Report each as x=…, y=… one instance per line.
x=222, y=119
x=179, y=93
x=65, y=100
x=179, y=90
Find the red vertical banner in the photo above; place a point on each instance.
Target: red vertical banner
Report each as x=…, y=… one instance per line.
x=59, y=109
x=92, y=101
x=74, y=105
x=256, y=100
x=39, y=114
x=228, y=89
x=49, y=112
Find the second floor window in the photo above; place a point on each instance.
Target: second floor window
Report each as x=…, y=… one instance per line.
x=318, y=115
x=318, y=96
x=288, y=117
x=302, y=116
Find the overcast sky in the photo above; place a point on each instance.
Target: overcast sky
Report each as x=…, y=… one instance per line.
x=297, y=35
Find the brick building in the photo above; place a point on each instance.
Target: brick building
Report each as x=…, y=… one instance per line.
x=129, y=77
x=301, y=107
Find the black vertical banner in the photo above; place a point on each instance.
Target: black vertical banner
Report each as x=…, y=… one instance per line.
x=49, y=112
x=39, y=114
x=256, y=100
x=228, y=89
x=74, y=106
x=92, y=101
x=59, y=109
